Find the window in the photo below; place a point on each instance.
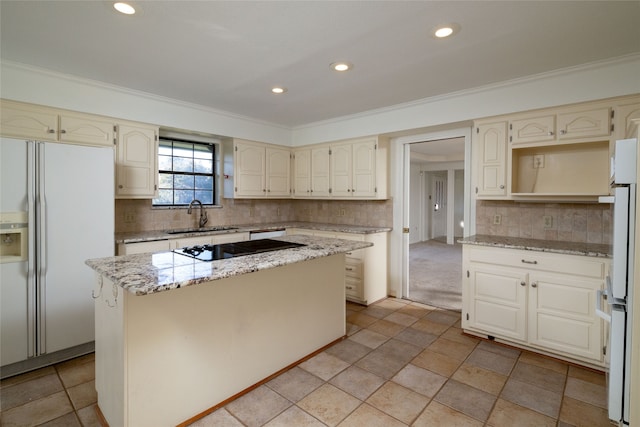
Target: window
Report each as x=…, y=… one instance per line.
x=186, y=172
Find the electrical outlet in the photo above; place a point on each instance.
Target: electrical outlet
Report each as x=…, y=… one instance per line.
x=497, y=219
x=342, y=212
x=547, y=221
x=129, y=217
x=538, y=161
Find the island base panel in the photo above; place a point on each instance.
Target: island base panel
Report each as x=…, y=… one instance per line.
x=166, y=357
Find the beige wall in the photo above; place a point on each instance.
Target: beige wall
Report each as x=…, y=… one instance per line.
x=237, y=212
x=588, y=222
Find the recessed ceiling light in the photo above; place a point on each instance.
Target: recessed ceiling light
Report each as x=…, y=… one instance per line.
x=341, y=66
x=125, y=8
x=447, y=30
x=279, y=89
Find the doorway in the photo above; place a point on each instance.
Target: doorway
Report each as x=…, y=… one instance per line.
x=435, y=186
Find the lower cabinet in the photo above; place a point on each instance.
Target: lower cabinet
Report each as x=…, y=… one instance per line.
x=537, y=300
x=365, y=269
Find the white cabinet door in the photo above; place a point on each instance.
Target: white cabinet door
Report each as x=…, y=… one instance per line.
x=302, y=173
x=496, y=301
x=624, y=114
x=29, y=122
x=490, y=142
x=532, y=129
x=320, y=166
x=562, y=315
x=250, y=170
x=585, y=124
x=86, y=130
x=364, y=169
x=137, y=162
x=278, y=172
x=341, y=170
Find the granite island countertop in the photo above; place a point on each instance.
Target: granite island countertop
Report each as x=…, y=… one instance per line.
x=554, y=246
x=148, y=236
x=148, y=273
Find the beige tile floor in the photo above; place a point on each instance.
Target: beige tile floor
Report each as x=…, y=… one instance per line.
x=58, y=395
x=402, y=364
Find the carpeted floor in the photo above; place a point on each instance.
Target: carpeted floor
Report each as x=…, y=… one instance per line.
x=435, y=274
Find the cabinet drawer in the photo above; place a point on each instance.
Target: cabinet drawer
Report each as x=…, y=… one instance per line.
x=353, y=287
x=191, y=241
x=353, y=269
x=144, y=247
x=539, y=261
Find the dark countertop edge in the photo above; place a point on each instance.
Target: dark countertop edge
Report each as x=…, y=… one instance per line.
x=553, y=246
x=263, y=261
x=150, y=236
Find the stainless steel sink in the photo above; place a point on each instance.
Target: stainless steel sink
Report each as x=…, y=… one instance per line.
x=200, y=230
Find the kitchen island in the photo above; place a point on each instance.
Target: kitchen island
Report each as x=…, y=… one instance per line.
x=175, y=336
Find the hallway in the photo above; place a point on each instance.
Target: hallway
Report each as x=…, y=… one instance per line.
x=435, y=274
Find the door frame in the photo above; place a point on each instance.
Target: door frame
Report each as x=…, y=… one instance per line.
x=400, y=164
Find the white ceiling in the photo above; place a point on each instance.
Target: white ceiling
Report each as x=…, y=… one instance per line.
x=441, y=150
x=228, y=54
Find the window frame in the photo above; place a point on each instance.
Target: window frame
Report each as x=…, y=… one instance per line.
x=215, y=173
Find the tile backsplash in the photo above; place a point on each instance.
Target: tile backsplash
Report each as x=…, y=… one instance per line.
x=139, y=215
x=588, y=222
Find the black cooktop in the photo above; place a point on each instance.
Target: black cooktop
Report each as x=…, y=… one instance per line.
x=236, y=249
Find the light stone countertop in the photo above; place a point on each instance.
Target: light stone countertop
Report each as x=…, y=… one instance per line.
x=148, y=236
x=554, y=246
x=148, y=273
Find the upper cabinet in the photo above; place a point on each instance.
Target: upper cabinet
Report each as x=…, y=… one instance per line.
x=137, y=161
x=27, y=121
x=354, y=169
x=136, y=144
x=490, y=155
x=556, y=154
x=625, y=112
x=256, y=170
x=574, y=124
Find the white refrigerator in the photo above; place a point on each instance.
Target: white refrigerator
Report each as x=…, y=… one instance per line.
x=56, y=211
x=620, y=286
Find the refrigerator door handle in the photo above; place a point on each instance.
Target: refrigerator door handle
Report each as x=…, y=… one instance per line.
x=600, y=295
x=41, y=222
x=32, y=282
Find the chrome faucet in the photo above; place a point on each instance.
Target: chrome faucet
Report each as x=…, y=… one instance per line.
x=203, y=213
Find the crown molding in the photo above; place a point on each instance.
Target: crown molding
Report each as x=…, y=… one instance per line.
x=134, y=92
x=477, y=90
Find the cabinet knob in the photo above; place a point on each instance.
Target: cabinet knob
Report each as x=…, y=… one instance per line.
x=562, y=132
x=523, y=283
x=502, y=186
x=550, y=133
x=349, y=287
x=534, y=285
x=63, y=131
x=120, y=186
x=348, y=190
x=349, y=268
x=51, y=131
